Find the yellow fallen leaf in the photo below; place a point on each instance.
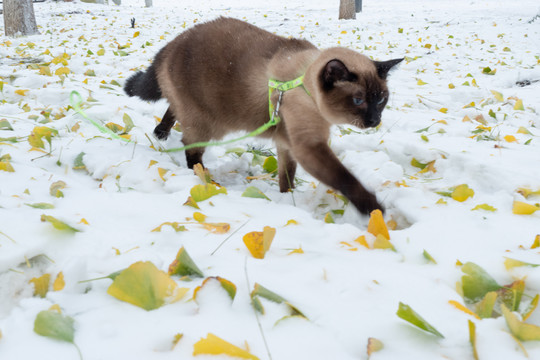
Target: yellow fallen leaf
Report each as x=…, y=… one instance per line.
x=204, y=192
x=199, y=217
x=176, y=340
x=373, y=346
x=451, y=86
x=137, y=33
x=101, y=52
x=522, y=208
x=498, y=96
x=362, y=241
x=202, y=173
x=510, y=138
x=21, y=92
x=510, y=263
x=258, y=243
x=376, y=225
x=296, y=251
x=59, y=60
x=56, y=308
x=443, y=110
x=291, y=222
x=472, y=339
x=162, y=172
x=420, y=82
x=519, y=329
x=349, y=246
x=6, y=166
x=62, y=71
x=430, y=166
x=382, y=242
x=519, y=105
x=152, y=163
x=462, y=193
x=328, y=218
x=45, y=70
x=485, y=207
x=523, y=130
x=463, y=308
x=531, y=307
x=41, y=285
x=214, y=345
x=175, y=225
x=217, y=228
x=59, y=282
x=528, y=192
x=536, y=242
x=191, y=202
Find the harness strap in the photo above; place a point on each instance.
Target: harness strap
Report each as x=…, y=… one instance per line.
x=281, y=86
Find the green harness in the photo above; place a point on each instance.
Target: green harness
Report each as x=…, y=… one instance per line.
x=281, y=86
x=273, y=85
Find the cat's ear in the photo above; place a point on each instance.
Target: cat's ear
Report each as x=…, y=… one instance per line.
x=334, y=71
x=383, y=67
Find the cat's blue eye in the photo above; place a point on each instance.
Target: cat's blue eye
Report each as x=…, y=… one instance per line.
x=357, y=101
x=381, y=101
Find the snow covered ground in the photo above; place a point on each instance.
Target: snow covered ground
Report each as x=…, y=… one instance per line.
x=457, y=115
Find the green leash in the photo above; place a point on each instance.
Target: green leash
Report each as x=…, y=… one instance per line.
x=281, y=86
x=76, y=101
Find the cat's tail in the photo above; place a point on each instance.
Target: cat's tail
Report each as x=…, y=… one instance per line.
x=144, y=85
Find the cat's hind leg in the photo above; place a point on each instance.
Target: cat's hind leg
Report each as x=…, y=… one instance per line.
x=163, y=129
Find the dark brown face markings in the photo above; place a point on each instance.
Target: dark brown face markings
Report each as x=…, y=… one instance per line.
x=359, y=97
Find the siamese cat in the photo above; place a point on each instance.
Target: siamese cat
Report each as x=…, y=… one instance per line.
x=215, y=78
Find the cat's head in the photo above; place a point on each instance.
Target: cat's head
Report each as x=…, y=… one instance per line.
x=351, y=88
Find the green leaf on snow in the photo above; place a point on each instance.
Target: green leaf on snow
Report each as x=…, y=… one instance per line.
x=408, y=314
x=184, y=265
x=78, y=163
x=204, y=192
x=5, y=125
x=519, y=329
x=477, y=282
x=52, y=324
x=253, y=192
x=59, y=225
x=41, y=205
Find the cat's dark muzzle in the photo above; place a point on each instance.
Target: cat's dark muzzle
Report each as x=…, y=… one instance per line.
x=372, y=122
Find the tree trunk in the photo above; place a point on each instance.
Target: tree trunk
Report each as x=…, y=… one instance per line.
x=19, y=18
x=347, y=9
x=148, y=3
x=358, y=6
